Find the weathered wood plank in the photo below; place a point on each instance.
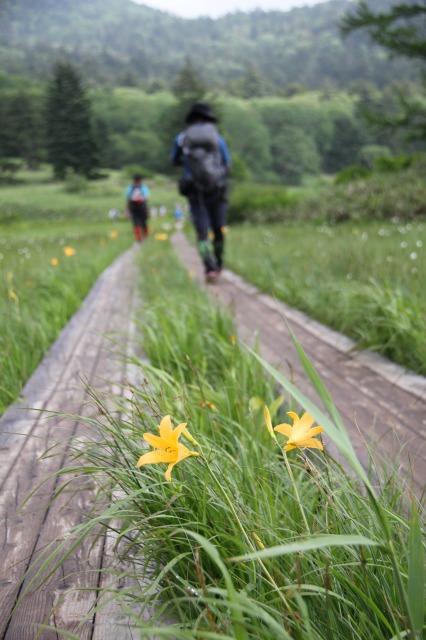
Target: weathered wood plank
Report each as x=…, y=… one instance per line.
x=82, y=348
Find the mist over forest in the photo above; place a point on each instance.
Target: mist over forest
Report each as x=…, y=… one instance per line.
x=290, y=91
x=118, y=42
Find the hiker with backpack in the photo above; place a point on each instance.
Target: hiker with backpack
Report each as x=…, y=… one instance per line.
x=206, y=161
x=137, y=195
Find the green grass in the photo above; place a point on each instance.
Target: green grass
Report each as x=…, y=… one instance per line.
x=363, y=279
x=37, y=297
x=245, y=542
x=38, y=219
x=36, y=196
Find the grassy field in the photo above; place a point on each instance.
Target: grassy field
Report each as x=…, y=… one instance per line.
x=243, y=538
x=36, y=196
x=46, y=270
x=366, y=279
x=53, y=246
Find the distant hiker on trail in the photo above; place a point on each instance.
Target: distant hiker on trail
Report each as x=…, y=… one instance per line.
x=206, y=160
x=137, y=195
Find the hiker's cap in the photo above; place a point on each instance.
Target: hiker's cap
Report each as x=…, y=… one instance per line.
x=200, y=110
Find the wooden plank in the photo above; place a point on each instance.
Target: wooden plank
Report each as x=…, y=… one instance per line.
x=60, y=603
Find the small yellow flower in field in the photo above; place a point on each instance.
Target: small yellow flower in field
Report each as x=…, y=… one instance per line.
x=69, y=251
x=232, y=339
x=208, y=404
x=113, y=234
x=169, y=450
x=300, y=434
x=54, y=262
x=12, y=295
x=161, y=236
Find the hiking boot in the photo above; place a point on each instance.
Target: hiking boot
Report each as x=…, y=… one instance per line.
x=211, y=276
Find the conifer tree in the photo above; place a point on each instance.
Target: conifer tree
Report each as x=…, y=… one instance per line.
x=401, y=29
x=21, y=128
x=70, y=139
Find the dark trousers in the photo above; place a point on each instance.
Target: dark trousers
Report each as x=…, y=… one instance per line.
x=208, y=212
x=140, y=216
x=140, y=221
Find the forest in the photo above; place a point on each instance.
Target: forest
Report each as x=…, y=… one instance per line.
x=273, y=139
x=291, y=92
x=120, y=43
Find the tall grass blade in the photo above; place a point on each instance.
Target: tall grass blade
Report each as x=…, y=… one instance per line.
x=416, y=573
x=312, y=544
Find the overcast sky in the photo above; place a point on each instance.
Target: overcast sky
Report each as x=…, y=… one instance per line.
x=216, y=8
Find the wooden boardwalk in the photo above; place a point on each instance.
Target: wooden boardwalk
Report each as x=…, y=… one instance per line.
x=380, y=402
x=368, y=391
x=81, y=353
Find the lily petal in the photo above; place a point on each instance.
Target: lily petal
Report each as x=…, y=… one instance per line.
x=166, y=427
x=285, y=429
x=314, y=431
x=293, y=415
x=311, y=443
x=168, y=473
x=177, y=432
x=156, y=441
x=156, y=456
x=183, y=452
x=307, y=420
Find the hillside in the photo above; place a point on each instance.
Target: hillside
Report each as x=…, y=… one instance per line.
x=117, y=42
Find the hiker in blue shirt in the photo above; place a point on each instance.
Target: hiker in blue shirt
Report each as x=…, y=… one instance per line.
x=205, y=158
x=137, y=195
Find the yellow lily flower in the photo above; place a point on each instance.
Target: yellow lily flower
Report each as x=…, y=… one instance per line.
x=300, y=434
x=168, y=448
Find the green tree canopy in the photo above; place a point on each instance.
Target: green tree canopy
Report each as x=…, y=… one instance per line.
x=247, y=136
x=294, y=154
x=70, y=137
